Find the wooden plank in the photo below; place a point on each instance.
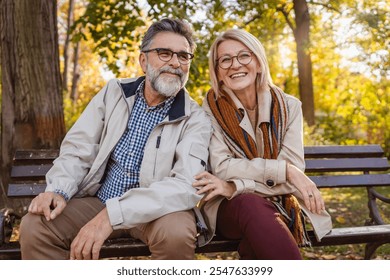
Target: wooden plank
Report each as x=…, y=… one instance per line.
x=25, y=189
x=36, y=154
x=127, y=247
x=354, y=235
x=30, y=171
x=341, y=151
x=347, y=181
x=346, y=164
x=325, y=151
x=10, y=251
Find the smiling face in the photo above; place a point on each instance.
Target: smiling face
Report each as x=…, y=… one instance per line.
x=239, y=78
x=165, y=78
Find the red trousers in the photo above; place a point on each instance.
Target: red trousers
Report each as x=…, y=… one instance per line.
x=256, y=221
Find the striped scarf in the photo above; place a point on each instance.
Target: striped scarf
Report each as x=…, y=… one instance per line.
x=229, y=118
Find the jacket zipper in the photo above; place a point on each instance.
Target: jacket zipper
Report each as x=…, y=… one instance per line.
x=109, y=154
x=157, y=147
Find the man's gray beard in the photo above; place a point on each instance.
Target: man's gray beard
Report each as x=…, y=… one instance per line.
x=166, y=86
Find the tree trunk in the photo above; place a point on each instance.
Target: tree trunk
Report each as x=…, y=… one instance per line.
x=32, y=112
x=76, y=73
x=301, y=34
x=69, y=23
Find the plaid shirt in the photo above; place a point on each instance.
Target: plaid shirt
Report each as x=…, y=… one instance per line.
x=124, y=165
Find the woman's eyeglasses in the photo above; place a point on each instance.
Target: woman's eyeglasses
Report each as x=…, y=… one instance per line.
x=243, y=57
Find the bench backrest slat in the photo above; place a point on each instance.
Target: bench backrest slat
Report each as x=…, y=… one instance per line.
x=348, y=181
x=36, y=155
x=25, y=189
x=347, y=164
x=30, y=171
x=312, y=165
x=340, y=151
x=30, y=166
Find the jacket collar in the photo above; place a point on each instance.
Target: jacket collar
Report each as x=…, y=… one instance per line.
x=264, y=100
x=178, y=106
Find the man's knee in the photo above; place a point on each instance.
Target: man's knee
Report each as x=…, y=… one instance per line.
x=173, y=237
x=30, y=229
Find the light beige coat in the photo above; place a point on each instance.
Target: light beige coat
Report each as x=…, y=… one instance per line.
x=250, y=176
x=176, y=150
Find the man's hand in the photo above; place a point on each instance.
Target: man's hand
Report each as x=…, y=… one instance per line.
x=91, y=237
x=48, y=204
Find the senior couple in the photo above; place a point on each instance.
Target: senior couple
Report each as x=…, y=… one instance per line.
x=143, y=155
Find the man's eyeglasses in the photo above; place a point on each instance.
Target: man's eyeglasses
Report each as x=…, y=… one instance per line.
x=167, y=54
x=243, y=57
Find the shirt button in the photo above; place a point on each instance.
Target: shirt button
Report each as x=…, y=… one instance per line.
x=270, y=182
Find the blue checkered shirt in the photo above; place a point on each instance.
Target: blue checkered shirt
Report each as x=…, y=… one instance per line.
x=125, y=161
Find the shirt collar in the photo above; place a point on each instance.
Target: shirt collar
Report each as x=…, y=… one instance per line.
x=164, y=104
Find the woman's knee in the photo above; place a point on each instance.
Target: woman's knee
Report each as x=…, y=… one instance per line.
x=247, y=204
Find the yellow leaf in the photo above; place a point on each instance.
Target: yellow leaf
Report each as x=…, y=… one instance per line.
x=340, y=219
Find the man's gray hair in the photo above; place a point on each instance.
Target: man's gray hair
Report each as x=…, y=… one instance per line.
x=168, y=25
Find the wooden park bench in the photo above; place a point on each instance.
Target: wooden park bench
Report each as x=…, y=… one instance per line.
x=328, y=166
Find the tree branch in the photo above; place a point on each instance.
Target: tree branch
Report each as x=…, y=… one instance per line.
x=285, y=14
x=325, y=5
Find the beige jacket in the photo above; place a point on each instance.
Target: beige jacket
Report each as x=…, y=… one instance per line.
x=250, y=176
x=176, y=150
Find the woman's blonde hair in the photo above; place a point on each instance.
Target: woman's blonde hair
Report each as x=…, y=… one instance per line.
x=263, y=80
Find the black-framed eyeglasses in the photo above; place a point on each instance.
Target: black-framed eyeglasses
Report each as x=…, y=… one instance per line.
x=243, y=57
x=167, y=54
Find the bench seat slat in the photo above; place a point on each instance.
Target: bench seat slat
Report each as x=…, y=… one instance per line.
x=355, y=235
x=129, y=247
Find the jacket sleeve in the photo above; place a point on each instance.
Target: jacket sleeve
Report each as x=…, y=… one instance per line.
x=79, y=148
x=174, y=192
x=264, y=176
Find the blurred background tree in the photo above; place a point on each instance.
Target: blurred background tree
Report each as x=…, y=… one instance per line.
x=31, y=100
x=344, y=86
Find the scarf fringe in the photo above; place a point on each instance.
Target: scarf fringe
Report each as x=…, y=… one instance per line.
x=293, y=217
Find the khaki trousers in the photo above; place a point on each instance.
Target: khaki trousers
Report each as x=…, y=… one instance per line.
x=169, y=237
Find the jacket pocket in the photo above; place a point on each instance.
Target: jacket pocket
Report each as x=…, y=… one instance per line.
x=200, y=153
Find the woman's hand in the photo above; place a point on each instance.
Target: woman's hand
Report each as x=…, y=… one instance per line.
x=310, y=193
x=213, y=186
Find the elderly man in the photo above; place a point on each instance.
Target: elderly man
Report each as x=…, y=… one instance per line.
x=128, y=162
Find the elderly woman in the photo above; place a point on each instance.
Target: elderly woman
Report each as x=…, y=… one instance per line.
x=256, y=190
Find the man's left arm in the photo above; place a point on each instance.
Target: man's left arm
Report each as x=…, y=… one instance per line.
x=174, y=192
